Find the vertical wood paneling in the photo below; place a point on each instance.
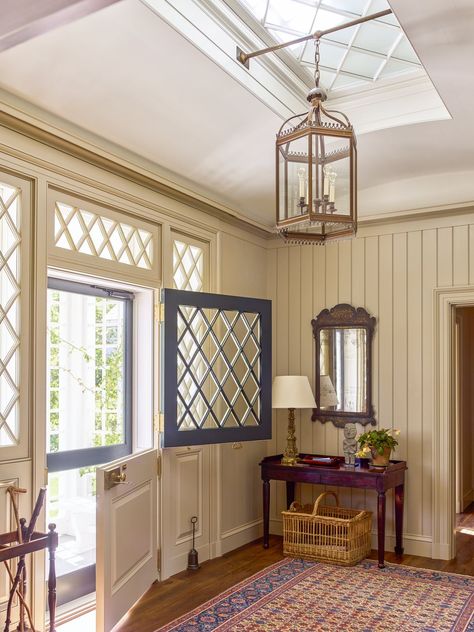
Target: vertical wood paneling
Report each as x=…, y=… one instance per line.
x=372, y=305
x=332, y=298
x=393, y=275
x=414, y=360
x=272, y=290
x=429, y=283
x=460, y=255
x=306, y=358
x=319, y=303
x=294, y=329
x=358, y=300
x=282, y=329
x=385, y=343
x=445, y=257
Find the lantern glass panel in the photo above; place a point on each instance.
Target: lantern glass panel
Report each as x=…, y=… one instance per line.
x=336, y=172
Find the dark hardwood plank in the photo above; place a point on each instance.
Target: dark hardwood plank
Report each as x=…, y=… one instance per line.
x=181, y=593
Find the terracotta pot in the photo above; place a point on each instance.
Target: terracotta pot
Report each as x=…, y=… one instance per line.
x=380, y=460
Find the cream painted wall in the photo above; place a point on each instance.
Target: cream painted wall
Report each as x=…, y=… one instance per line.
x=391, y=270
x=465, y=317
x=243, y=272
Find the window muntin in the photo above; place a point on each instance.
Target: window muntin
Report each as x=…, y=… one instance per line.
x=188, y=266
x=10, y=280
x=83, y=231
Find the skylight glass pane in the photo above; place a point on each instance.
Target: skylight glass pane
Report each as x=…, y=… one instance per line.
x=394, y=67
x=353, y=6
x=362, y=64
x=328, y=19
x=344, y=36
x=331, y=54
x=344, y=82
x=382, y=5
x=292, y=15
x=284, y=36
x=257, y=7
x=376, y=37
x=405, y=52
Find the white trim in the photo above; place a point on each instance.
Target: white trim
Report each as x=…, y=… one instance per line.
x=243, y=534
x=444, y=474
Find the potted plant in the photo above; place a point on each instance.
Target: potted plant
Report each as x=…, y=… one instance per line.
x=378, y=444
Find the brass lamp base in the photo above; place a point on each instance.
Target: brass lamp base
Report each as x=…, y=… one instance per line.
x=291, y=454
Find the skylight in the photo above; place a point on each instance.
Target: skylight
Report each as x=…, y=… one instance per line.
x=350, y=58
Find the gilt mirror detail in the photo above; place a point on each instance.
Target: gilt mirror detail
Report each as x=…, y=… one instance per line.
x=343, y=392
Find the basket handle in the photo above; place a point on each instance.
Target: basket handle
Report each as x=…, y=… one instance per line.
x=319, y=499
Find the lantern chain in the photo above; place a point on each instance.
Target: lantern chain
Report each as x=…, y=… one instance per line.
x=317, y=74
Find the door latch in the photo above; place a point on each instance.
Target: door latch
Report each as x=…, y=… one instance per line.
x=117, y=476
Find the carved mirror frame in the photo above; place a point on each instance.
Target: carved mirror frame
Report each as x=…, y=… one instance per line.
x=344, y=316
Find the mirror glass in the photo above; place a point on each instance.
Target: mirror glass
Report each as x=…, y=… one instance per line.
x=343, y=369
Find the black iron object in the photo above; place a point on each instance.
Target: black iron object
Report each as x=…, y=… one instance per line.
x=193, y=562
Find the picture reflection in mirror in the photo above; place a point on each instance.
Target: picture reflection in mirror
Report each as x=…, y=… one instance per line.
x=343, y=365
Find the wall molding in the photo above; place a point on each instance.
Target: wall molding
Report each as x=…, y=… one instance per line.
x=243, y=534
x=444, y=459
x=113, y=164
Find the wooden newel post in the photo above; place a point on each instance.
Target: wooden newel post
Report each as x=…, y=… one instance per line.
x=52, y=546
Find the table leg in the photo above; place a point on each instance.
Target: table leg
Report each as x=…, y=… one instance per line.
x=381, y=528
x=266, y=513
x=290, y=493
x=399, y=498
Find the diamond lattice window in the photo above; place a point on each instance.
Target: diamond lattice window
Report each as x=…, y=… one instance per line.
x=188, y=266
x=349, y=58
x=217, y=373
x=82, y=231
x=10, y=240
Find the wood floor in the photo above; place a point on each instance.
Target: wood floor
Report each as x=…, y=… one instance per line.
x=174, y=597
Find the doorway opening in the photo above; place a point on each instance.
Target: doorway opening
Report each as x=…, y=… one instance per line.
x=464, y=420
x=89, y=417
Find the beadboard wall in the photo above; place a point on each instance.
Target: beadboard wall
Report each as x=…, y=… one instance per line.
x=391, y=270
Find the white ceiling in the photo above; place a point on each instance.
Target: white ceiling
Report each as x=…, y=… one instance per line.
x=124, y=75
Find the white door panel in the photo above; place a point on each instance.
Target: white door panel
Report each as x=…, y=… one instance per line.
x=185, y=493
x=126, y=535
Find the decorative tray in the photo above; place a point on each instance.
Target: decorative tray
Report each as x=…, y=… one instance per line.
x=316, y=460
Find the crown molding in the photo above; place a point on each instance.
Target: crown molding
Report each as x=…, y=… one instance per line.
x=94, y=155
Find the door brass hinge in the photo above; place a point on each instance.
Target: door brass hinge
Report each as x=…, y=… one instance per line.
x=159, y=312
x=158, y=465
x=158, y=559
x=159, y=422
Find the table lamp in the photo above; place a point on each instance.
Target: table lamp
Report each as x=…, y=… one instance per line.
x=291, y=391
x=327, y=394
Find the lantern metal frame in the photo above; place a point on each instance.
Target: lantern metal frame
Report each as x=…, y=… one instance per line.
x=310, y=225
x=316, y=211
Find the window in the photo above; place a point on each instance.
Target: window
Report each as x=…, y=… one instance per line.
x=10, y=239
x=217, y=368
x=89, y=415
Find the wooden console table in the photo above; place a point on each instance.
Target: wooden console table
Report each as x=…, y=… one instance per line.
x=393, y=477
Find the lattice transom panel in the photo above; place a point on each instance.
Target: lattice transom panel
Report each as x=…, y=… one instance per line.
x=10, y=240
x=188, y=266
x=219, y=353
x=82, y=231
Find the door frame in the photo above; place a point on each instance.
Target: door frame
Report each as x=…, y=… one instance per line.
x=444, y=423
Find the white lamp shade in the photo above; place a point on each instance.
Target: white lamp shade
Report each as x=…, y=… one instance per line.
x=292, y=391
x=327, y=394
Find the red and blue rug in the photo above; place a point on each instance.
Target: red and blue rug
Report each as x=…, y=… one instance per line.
x=300, y=596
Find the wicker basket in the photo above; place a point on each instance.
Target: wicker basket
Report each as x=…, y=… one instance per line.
x=327, y=534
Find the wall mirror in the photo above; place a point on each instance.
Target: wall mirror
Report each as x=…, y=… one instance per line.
x=343, y=392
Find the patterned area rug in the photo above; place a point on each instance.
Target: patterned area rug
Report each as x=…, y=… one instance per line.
x=300, y=596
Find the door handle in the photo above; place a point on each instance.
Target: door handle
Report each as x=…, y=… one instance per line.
x=117, y=476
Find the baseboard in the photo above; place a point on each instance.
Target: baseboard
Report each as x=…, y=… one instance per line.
x=248, y=532
x=413, y=544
